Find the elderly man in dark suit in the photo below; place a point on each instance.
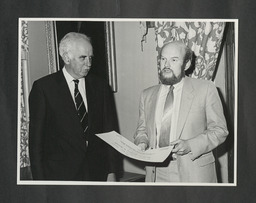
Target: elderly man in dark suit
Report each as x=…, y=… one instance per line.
x=67, y=109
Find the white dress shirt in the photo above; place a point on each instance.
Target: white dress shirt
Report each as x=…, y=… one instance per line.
x=71, y=85
x=164, y=89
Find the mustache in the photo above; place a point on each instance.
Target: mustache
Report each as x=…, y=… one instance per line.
x=166, y=69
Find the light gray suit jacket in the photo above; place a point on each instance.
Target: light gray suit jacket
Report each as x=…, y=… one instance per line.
x=200, y=121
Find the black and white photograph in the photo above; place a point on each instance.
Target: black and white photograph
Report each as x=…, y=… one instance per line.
x=126, y=101
x=155, y=84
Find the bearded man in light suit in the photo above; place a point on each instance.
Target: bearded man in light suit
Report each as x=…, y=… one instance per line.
x=197, y=123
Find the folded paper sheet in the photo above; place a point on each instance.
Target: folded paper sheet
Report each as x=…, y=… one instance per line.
x=131, y=150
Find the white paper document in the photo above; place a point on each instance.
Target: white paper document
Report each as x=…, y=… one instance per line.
x=131, y=150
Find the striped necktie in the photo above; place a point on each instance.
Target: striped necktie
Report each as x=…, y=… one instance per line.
x=164, y=138
x=81, y=109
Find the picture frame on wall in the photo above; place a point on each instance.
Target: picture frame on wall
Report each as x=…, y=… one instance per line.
x=105, y=47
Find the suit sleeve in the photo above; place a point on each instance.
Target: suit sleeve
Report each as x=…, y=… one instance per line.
x=110, y=124
x=37, y=111
x=216, y=131
x=141, y=133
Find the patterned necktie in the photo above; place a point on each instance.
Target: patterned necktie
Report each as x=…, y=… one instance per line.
x=80, y=107
x=164, y=138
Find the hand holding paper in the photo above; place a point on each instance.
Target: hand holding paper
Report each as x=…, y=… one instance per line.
x=142, y=146
x=129, y=149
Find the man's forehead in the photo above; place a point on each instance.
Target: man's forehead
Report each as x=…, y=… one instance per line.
x=82, y=46
x=173, y=49
x=82, y=43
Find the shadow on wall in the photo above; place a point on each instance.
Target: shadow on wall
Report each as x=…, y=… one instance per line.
x=227, y=146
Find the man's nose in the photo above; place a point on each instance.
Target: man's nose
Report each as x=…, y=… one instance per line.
x=167, y=63
x=88, y=61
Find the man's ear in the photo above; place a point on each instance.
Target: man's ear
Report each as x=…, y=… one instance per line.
x=188, y=64
x=66, y=58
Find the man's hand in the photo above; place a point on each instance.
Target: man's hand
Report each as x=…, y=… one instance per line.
x=111, y=177
x=142, y=146
x=181, y=147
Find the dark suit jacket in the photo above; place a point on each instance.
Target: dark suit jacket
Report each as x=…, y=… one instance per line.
x=56, y=143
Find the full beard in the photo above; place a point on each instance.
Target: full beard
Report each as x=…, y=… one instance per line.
x=168, y=78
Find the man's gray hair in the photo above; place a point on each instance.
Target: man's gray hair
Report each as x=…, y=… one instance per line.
x=68, y=41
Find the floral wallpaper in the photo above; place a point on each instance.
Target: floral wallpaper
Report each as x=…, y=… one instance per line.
x=204, y=38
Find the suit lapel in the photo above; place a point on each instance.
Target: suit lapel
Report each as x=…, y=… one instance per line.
x=64, y=92
x=152, y=102
x=186, y=102
x=91, y=96
x=67, y=103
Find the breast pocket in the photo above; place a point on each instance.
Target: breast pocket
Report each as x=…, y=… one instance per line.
x=196, y=109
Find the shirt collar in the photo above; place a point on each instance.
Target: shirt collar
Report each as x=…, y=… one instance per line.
x=68, y=77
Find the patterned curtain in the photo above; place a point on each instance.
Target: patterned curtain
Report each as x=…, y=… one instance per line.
x=24, y=111
x=204, y=38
